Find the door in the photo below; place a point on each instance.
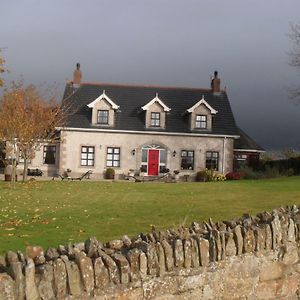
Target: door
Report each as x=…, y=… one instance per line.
x=153, y=162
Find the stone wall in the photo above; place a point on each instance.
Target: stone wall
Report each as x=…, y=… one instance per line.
x=247, y=258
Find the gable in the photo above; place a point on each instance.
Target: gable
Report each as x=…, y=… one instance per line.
x=158, y=101
x=102, y=97
x=204, y=103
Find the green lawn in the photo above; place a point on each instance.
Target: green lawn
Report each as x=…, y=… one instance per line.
x=56, y=212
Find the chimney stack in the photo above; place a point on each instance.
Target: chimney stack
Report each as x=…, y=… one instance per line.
x=216, y=83
x=77, y=75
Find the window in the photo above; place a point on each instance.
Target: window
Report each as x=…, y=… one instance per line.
x=49, y=155
x=212, y=160
x=87, y=156
x=155, y=119
x=102, y=117
x=187, y=160
x=113, y=157
x=201, y=121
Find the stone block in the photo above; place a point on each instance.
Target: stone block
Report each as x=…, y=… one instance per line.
x=260, y=237
x=86, y=272
x=15, y=271
x=46, y=283
x=111, y=266
x=195, y=253
x=238, y=238
x=74, y=283
x=291, y=236
x=101, y=274
x=178, y=253
x=271, y=270
x=31, y=290
x=115, y=244
x=269, y=237
x=161, y=259
x=143, y=265
x=230, y=248
x=249, y=240
x=212, y=248
x=60, y=278
x=187, y=250
x=7, y=287
x=169, y=257
x=34, y=251
x=204, y=251
x=290, y=255
x=91, y=247
x=133, y=257
x=51, y=254
x=123, y=266
x=11, y=257
x=218, y=244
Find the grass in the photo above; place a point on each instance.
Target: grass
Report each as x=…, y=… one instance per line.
x=55, y=212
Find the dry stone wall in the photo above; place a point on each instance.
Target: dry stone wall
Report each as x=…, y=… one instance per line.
x=247, y=258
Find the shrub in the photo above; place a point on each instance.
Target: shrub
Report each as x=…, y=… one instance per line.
x=234, y=176
x=110, y=173
x=249, y=173
x=209, y=175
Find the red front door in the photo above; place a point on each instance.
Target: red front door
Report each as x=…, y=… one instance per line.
x=153, y=162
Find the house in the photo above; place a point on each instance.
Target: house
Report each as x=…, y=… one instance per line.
x=148, y=129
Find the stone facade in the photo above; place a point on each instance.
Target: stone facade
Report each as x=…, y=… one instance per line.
x=247, y=258
x=72, y=141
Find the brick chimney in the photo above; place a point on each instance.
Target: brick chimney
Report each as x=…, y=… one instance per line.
x=216, y=83
x=77, y=75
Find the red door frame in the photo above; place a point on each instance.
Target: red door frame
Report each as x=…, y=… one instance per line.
x=153, y=162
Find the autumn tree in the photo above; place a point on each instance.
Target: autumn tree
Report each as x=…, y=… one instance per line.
x=2, y=69
x=27, y=120
x=294, y=55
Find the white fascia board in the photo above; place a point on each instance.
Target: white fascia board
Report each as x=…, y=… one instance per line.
x=249, y=150
x=202, y=101
x=105, y=97
x=147, y=132
x=156, y=99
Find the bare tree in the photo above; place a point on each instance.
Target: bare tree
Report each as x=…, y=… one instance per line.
x=294, y=56
x=27, y=121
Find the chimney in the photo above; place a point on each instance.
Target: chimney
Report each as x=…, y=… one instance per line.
x=215, y=83
x=77, y=75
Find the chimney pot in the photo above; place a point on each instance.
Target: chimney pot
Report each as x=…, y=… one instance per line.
x=216, y=83
x=77, y=75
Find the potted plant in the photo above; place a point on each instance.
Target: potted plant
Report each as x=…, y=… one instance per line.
x=110, y=173
x=176, y=175
x=131, y=172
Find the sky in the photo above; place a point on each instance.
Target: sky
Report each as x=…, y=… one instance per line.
x=165, y=42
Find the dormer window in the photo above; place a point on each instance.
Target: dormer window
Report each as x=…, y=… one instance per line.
x=155, y=113
x=102, y=117
x=201, y=115
x=201, y=121
x=155, y=119
x=103, y=111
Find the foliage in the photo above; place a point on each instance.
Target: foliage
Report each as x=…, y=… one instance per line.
x=110, y=173
x=234, y=175
x=209, y=175
x=249, y=173
x=61, y=212
x=2, y=69
x=27, y=120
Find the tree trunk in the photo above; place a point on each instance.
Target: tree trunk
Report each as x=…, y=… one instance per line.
x=13, y=175
x=25, y=169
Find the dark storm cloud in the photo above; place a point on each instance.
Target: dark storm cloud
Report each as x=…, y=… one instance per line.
x=166, y=42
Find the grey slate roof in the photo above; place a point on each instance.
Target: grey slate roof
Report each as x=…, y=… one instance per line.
x=131, y=98
x=245, y=142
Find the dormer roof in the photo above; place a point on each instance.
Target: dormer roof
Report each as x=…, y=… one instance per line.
x=105, y=97
x=202, y=101
x=156, y=100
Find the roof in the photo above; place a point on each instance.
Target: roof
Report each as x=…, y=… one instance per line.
x=130, y=99
x=245, y=142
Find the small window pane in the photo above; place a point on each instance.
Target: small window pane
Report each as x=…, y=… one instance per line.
x=144, y=155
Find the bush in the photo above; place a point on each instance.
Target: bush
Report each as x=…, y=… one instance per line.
x=249, y=173
x=234, y=175
x=110, y=173
x=209, y=175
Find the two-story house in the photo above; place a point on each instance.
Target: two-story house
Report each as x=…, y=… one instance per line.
x=147, y=129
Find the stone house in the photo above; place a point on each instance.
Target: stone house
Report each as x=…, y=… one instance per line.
x=146, y=130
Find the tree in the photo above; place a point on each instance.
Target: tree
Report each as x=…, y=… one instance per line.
x=27, y=120
x=294, y=55
x=2, y=69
